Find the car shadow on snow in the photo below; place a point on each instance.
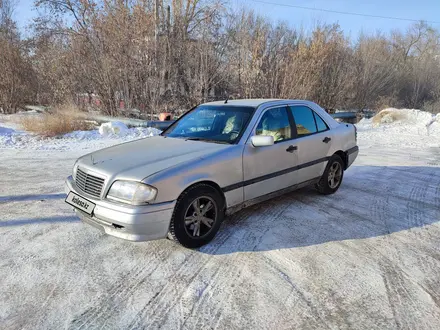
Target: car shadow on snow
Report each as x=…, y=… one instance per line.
x=372, y=201
x=22, y=222
x=23, y=198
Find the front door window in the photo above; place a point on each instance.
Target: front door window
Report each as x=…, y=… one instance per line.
x=275, y=122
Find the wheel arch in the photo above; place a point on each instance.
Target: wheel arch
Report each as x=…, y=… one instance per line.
x=177, y=231
x=209, y=183
x=343, y=156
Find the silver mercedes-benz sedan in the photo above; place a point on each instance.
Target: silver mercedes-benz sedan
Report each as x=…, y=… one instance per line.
x=213, y=161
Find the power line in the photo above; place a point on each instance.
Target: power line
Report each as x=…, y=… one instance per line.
x=343, y=12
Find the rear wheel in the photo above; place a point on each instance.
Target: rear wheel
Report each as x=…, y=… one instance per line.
x=197, y=216
x=332, y=177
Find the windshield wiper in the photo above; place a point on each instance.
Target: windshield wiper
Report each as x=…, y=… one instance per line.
x=204, y=139
x=196, y=139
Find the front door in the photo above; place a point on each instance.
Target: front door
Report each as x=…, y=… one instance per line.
x=268, y=169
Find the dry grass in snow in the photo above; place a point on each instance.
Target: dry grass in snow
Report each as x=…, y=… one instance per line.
x=61, y=120
x=388, y=116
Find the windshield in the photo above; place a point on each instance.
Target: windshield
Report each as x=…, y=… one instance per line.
x=222, y=124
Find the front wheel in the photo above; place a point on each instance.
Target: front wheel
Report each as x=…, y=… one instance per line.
x=332, y=177
x=197, y=216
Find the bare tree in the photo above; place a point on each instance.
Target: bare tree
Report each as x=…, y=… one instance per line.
x=16, y=83
x=158, y=55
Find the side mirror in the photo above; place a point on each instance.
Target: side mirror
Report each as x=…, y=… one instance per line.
x=262, y=140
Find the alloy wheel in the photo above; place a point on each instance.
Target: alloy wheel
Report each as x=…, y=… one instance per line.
x=200, y=216
x=334, y=175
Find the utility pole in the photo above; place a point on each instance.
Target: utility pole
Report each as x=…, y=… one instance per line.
x=156, y=56
x=156, y=15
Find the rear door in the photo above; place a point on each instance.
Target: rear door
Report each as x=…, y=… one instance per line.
x=268, y=169
x=314, y=139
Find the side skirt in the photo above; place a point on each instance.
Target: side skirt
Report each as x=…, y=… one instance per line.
x=259, y=199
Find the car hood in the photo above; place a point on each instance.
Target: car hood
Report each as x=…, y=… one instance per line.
x=139, y=159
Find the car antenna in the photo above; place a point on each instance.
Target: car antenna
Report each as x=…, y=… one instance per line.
x=227, y=98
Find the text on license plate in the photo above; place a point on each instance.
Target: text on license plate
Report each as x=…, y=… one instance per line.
x=80, y=203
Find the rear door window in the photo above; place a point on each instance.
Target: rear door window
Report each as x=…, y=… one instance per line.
x=304, y=120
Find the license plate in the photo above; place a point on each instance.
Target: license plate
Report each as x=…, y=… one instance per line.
x=80, y=203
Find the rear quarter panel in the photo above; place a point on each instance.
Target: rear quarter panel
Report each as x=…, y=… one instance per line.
x=344, y=135
x=343, y=138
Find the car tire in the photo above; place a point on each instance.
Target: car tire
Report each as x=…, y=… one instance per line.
x=197, y=216
x=332, y=177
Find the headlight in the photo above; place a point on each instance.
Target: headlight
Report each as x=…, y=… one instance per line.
x=131, y=192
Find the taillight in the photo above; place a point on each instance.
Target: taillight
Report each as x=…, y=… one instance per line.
x=355, y=133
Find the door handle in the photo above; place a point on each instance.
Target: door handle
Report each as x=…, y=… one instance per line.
x=292, y=148
x=326, y=139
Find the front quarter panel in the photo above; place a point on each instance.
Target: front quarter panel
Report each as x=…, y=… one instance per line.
x=223, y=167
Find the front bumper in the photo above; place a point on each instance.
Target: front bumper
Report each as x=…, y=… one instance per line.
x=130, y=222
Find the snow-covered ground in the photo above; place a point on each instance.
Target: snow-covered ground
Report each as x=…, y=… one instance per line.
x=364, y=258
x=12, y=137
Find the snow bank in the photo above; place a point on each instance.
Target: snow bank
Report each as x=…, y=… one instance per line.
x=107, y=134
x=111, y=131
x=397, y=127
x=116, y=128
x=400, y=117
x=29, y=112
x=409, y=118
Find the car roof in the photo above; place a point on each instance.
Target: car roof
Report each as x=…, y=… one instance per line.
x=275, y=102
x=244, y=102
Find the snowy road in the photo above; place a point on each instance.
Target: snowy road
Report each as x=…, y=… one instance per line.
x=367, y=257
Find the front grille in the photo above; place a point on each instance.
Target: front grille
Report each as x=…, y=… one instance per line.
x=88, y=183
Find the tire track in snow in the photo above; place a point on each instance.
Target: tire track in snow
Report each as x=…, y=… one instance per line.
x=428, y=263
x=414, y=208
x=416, y=216
x=204, y=308
x=394, y=299
x=298, y=295
x=274, y=209
x=400, y=288
x=416, y=190
x=413, y=174
x=102, y=309
x=423, y=193
x=395, y=193
x=430, y=283
x=160, y=303
x=157, y=308
x=401, y=284
x=401, y=299
x=225, y=235
x=314, y=308
x=437, y=199
x=380, y=204
x=218, y=279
